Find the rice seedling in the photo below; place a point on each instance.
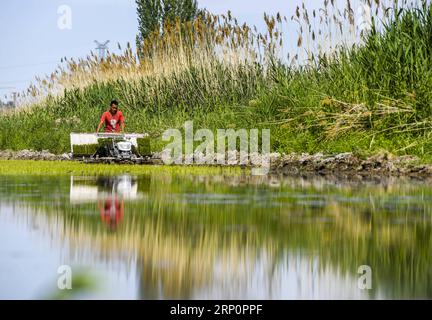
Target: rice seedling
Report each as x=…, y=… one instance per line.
x=57, y=168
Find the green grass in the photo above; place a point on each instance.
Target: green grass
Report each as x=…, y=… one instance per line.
x=50, y=168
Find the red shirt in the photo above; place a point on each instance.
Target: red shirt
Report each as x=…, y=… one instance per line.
x=112, y=122
x=112, y=211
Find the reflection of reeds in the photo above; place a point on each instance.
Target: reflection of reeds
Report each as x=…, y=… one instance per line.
x=179, y=242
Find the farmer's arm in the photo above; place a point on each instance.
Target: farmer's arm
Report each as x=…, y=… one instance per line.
x=101, y=122
x=99, y=126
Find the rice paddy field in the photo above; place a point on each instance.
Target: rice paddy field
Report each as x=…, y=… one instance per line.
x=67, y=168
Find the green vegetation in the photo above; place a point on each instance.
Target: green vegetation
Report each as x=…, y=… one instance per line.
x=153, y=14
x=85, y=150
x=144, y=146
x=366, y=96
x=52, y=168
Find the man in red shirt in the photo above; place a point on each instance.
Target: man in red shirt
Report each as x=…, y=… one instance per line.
x=113, y=119
x=112, y=212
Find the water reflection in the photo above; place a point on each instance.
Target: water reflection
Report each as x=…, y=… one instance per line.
x=109, y=193
x=238, y=237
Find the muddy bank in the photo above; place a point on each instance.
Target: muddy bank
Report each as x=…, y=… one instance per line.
x=33, y=155
x=350, y=165
x=346, y=165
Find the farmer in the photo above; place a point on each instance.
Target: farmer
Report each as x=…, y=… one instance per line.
x=113, y=119
x=112, y=212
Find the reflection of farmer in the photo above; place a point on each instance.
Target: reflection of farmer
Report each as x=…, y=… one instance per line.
x=112, y=212
x=113, y=119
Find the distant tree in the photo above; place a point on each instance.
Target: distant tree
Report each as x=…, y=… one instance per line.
x=152, y=14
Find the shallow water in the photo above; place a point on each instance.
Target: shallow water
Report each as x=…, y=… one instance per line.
x=165, y=236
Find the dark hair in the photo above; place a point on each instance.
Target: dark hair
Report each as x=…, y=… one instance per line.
x=115, y=102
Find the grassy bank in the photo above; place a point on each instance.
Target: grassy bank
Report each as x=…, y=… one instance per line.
x=365, y=98
x=51, y=168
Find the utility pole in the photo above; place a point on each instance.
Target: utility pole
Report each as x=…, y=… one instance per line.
x=101, y=48
x=9, y=103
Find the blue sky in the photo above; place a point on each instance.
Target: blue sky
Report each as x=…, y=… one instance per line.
x=32, y=42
